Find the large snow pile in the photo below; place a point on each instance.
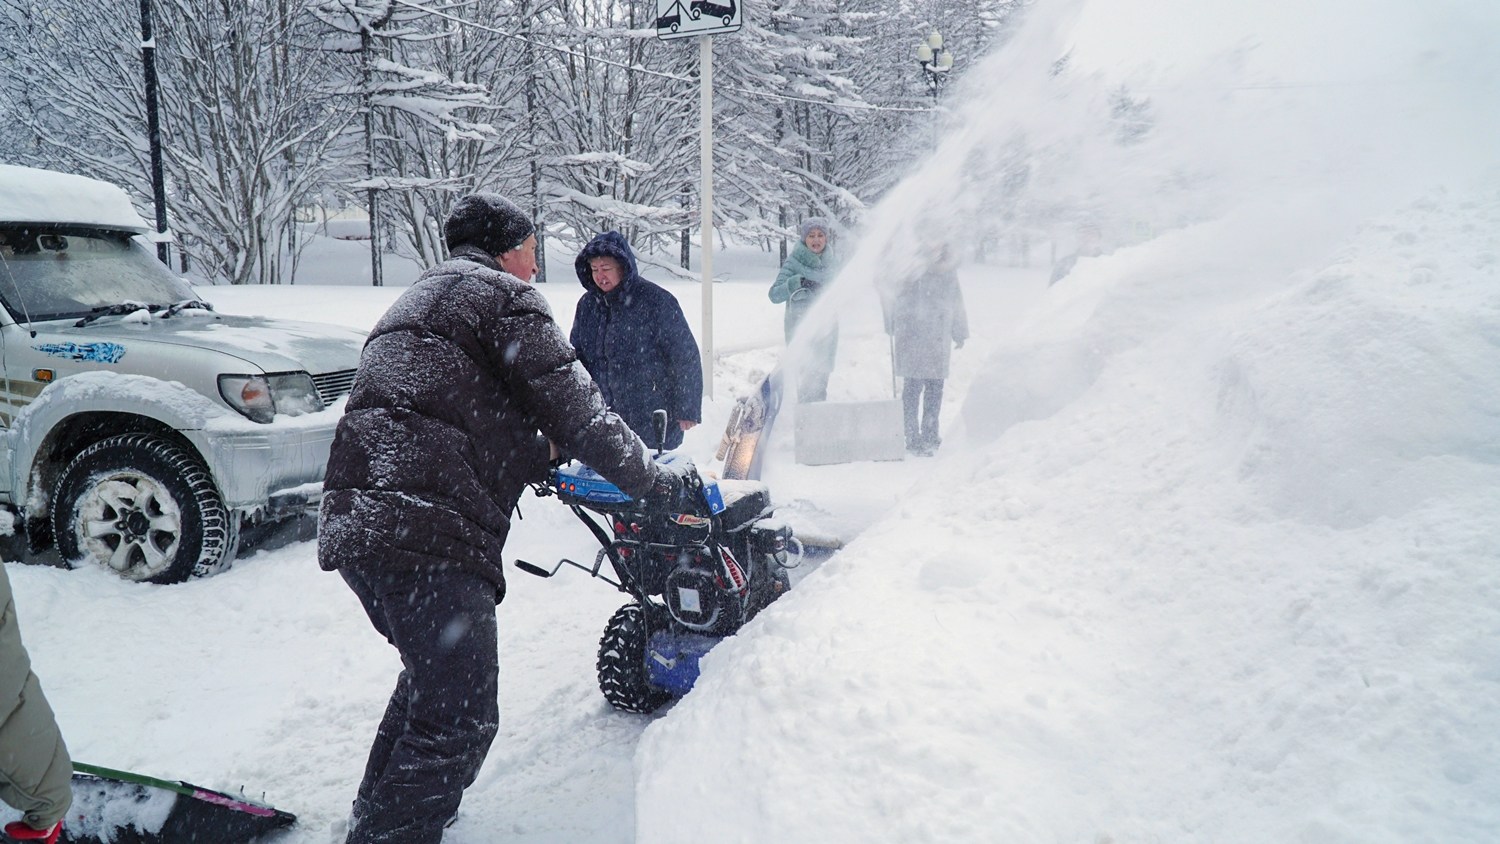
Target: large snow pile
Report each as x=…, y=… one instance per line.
x=1243, y=587
x=1221, y=562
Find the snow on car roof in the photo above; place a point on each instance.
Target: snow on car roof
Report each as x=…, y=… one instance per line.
x=29, y=195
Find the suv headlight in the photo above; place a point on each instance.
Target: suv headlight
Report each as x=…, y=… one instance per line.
x=261, y=397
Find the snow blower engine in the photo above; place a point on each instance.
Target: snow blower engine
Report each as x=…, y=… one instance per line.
x=693, y=578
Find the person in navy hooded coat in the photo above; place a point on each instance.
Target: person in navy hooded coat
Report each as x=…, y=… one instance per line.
x=632, y=338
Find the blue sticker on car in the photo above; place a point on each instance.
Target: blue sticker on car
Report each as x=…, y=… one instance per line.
x=91, y=352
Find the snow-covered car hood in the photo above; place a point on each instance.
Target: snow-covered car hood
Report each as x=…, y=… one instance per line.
x=273, y=345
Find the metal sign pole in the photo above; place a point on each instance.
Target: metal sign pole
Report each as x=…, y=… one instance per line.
x=706, y=133
x=705, y=126
x=701, y=19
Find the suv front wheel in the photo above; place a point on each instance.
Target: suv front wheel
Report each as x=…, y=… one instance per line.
x=143, y=507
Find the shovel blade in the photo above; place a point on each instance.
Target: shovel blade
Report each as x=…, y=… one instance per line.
x=849, y=431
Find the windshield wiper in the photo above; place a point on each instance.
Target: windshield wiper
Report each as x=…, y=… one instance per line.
x=123, y=308
x=185, y=304
x=119, y=309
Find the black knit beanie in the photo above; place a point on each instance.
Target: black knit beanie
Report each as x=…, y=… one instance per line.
x=488, y=221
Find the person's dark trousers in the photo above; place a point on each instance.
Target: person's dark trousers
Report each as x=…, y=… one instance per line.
x=924, y=395
x=444, y=712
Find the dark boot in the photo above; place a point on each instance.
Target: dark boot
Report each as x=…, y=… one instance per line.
x=932, y=406
x=911, y=397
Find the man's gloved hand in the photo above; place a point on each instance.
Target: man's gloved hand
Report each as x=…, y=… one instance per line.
x=22, y=831
x=668, y=494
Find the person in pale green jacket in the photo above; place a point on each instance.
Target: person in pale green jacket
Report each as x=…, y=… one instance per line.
x=36, y=774
x=810, y=266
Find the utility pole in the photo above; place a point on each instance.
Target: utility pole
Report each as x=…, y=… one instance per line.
x=687, y=201
x=153, y=132
x=536, y=167
x=367, y=78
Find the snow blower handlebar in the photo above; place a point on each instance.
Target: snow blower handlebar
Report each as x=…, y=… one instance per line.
x=532, y=568
x=659, y=428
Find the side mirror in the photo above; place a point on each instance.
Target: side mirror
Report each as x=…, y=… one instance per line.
x=659, y=428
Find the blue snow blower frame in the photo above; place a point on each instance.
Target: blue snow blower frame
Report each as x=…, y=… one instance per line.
x=695, y=577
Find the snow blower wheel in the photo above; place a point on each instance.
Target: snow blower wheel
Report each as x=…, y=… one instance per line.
x=143, y=507
x=622, y=663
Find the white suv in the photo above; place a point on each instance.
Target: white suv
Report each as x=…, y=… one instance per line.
x=142, y=430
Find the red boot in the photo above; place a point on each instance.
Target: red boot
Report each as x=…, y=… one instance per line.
x=22, y=831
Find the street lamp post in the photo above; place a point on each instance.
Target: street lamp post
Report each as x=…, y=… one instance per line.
x=935, y=61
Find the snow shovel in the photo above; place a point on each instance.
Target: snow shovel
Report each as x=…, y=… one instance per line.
x=117, y=807
x=830, y=432
x=848, y=431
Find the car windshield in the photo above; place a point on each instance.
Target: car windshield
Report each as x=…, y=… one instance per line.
x=55, y=273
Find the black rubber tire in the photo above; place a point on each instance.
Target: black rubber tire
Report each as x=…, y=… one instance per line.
x=622, y=663
x=772, y=581
x=157, y=515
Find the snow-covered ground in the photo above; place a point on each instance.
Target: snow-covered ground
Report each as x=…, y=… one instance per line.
x=1210, y=552
x=268, y=677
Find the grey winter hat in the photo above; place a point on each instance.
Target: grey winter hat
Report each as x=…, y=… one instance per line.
x=812, y=223
x=488, y=221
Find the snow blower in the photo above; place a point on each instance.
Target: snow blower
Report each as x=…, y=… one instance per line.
x=693, y=578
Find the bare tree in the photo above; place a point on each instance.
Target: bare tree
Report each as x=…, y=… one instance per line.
x=246, y=131
x=617, y=148
x=572, y=105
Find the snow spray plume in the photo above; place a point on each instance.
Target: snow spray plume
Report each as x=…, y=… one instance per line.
x=1238, y=585
x=1121, y=122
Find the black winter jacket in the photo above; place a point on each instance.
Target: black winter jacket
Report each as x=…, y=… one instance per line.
x=441, y=431
x=636, y=343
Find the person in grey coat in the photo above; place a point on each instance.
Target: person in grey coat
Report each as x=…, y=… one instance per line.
x=36, y=774
x=926, y=320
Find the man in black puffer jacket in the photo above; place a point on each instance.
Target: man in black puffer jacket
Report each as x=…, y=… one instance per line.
x=632, y=337
x=457, y=386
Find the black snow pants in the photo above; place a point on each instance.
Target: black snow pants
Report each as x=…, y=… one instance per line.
x=926, y=394
x=444, y=712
